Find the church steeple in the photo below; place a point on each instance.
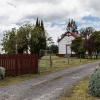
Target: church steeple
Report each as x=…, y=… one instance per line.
x=69, y=27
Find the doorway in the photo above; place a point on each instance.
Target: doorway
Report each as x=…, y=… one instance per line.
x=68, y=49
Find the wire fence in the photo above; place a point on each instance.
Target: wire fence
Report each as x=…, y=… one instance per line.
x=60, y=62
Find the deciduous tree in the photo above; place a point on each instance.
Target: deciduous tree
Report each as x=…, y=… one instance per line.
x=9, y=41
x=78, y=47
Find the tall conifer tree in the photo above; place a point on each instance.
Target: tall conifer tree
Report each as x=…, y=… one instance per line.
x=40, y=38
x=42, y=25
x=37, y=23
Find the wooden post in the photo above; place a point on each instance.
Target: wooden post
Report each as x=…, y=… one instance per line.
x=50, y=61
x=80, y=57
x=68, y=60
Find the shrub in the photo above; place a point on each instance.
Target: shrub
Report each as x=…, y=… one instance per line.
x=2, y=72
x=94, y=83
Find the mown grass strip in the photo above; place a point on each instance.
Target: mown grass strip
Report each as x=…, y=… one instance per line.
x=79, y=92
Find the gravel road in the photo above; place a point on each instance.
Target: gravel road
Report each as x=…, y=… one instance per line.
x=47, y=87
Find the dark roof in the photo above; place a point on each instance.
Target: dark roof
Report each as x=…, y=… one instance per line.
x=69, y=34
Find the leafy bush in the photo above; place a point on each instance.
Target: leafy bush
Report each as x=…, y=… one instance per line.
x=94, y=83
x=2, y=72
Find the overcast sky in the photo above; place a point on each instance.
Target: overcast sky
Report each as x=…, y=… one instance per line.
x=54, y=13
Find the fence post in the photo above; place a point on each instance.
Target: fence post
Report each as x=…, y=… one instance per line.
x=50, y=61
x=80, y=57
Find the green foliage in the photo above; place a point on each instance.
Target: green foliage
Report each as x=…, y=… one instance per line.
x=38, y=37
x=37, y=23
x=78, y=47
x=49, y=41
x=38, y=40
x=23, y=37
x=75, y=45
x=42, y=25
x=81, y=51
x=54, y=48
x=97, y=42
x=86, y=33
x=9, y=41
x=94, y=83
x=26, y=36
x=2, y=72
x=51, y=45
x=74, y=26
x=91, y=40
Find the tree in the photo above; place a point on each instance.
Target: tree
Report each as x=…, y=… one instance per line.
x=9, y=41
x=88, y=40
x=42, y=25
x=38, y=40
x=38, y=37
x=78, y=47
x=37, y=23
x=54, y=48
x=97, y=43
x=17, y=40
x=23, y=38
x=86, y=32
x=26, y=36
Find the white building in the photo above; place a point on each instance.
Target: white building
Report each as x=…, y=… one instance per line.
x=64, y=42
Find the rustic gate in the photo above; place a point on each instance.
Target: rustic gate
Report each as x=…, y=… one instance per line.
x=45, y=61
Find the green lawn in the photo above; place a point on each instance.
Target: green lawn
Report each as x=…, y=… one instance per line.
x=79, y=92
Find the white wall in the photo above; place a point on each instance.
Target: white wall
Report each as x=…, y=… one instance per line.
x=62, y=44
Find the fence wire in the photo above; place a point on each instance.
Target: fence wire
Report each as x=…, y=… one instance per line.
x=48, y=63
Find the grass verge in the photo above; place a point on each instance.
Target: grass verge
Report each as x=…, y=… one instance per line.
x=16, y=79
x=79, y=92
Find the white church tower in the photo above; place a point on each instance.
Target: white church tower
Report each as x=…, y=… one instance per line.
x=69, y=27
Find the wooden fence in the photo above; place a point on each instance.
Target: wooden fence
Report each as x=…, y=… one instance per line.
x=18, y=64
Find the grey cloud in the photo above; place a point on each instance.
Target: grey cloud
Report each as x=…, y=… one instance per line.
x=4, y=20
x=11, y=4
x=54, y=17
x=15, y=12
x=95, y=5
x=1, y=36
x=37, y=1
x=52, y=11
x=91, y=5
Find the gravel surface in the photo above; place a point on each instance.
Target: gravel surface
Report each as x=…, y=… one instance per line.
x=47, y=87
